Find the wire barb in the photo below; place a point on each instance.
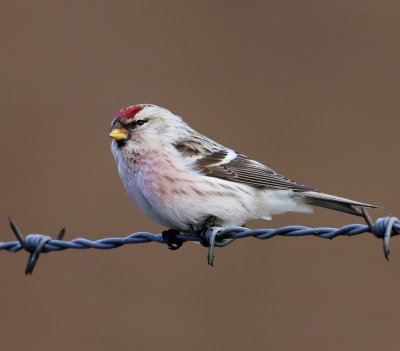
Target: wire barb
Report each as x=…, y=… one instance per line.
x=388, y=234
x=17, y=232
x=33, y=243
x=211, y=237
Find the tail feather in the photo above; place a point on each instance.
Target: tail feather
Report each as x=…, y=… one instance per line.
x=333, y=202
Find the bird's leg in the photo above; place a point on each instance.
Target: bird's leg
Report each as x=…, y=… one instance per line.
x=208, y=224
x=170, y=238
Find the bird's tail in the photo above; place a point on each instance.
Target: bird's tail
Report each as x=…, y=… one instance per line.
x=333, y=202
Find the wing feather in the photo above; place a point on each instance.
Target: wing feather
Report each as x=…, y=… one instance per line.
x=219, y=162
x=213, y=160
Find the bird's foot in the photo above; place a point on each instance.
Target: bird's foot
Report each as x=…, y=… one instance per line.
x=208, y=240
x=171, y=240
x=201, y=232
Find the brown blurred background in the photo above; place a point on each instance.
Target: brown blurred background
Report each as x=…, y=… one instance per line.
x=310, y=88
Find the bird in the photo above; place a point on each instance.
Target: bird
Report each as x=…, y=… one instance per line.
x=184, y=180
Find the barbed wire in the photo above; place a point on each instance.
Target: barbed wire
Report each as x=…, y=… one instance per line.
x=210, y=237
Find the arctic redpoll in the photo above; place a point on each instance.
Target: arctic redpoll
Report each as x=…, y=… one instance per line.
x=180, y=178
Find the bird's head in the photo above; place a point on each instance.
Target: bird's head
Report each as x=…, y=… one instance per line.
x=144, y=126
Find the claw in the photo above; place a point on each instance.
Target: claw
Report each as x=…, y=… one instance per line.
x=170, y=238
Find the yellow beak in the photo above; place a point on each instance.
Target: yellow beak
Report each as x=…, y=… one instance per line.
x=119, y=134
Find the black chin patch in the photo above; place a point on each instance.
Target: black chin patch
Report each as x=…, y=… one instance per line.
x=121, y=143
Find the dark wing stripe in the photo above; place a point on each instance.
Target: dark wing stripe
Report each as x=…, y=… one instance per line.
x=268, y=181
x=244, y=170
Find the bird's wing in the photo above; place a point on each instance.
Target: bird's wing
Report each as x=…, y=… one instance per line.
x=219, y=162
x=214, y=160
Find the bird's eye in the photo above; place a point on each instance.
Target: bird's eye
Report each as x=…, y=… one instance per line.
x=134, y=124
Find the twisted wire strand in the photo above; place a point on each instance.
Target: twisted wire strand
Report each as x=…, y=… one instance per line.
x=36, y=244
